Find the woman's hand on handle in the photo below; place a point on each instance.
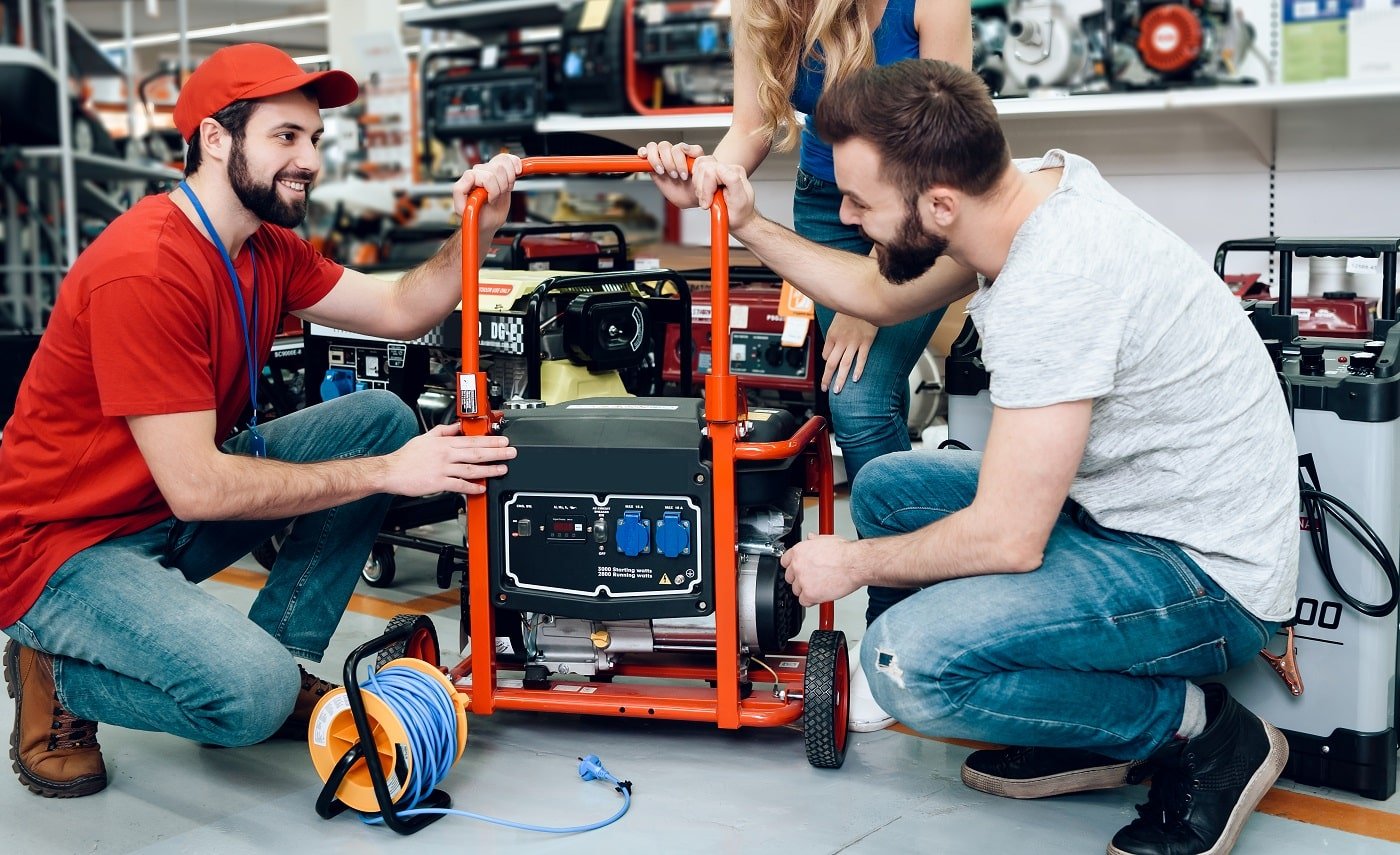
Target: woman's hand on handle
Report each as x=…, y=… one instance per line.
x=671, y=171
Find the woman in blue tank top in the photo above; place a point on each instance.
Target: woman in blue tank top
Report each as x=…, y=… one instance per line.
x=784, y=53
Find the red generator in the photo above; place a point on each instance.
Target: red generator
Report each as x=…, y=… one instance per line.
x=757, y=355
x=1336, y=314
x=580, y=247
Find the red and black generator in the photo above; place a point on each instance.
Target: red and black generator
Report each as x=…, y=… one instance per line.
x=582, y=247
x=765, y=366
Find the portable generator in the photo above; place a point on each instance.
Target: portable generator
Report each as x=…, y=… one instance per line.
x=1333, y=314
x=773, y=373
x=678, y=56
x=640, y=538
x=1185, y=41
x=1345, y=398
x=592, y=65
x=546, y=336
x=476, y=100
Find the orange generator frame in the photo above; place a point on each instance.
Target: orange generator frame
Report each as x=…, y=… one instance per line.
x=719, y=699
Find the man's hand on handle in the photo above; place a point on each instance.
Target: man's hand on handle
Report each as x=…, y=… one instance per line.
x=497, y=177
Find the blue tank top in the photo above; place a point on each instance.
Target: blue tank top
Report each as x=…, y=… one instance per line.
x=895, y=39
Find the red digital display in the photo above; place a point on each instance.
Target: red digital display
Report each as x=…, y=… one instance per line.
x=563, y=526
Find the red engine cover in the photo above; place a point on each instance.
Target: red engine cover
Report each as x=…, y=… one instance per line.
x=1170, y=38
x=1334, y=317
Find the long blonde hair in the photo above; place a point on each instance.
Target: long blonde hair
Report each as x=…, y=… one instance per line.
x=781, y=34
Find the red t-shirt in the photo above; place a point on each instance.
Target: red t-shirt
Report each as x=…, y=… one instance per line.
x=145, y=323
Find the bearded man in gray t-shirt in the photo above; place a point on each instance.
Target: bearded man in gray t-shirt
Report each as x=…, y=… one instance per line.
x=1122, y=534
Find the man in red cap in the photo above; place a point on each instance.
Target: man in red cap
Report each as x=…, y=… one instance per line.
x=120, y=486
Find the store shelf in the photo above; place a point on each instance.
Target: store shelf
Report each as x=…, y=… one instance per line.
x=1249, y=110
x=563, y=122
x=96, y=167
x=87, y=56
x=488, y=15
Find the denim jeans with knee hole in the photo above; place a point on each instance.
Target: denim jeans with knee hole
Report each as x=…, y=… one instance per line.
x=1092, y=650
x=138, y=644
x=870, y=417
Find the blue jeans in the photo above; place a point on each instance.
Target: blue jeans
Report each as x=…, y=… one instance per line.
x=869, y=417
x=137, y=643
x=1092, y=650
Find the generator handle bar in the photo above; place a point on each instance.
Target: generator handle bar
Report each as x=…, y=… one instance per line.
x=592, y=165
x=782, y=449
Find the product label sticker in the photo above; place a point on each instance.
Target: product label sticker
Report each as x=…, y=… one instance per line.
x=795, y=331
x=792, y=303
x=338, y=704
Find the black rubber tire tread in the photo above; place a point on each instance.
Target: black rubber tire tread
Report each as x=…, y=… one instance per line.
x=383, y=554
x=397, y=650
x=823, y=724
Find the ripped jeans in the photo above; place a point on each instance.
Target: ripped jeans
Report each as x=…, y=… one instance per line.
x=1092, y=650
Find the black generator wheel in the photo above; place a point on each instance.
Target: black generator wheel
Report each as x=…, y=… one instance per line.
x=825, y=690
x=422, y=643
x=379, y=568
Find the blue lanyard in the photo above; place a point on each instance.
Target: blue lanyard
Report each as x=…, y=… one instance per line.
x=258, y=445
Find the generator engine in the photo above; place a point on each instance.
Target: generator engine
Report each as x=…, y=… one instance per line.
x=1186, y=40
x=604, y=551
x=1045, y=46
x=555, y=336
x=988, y=44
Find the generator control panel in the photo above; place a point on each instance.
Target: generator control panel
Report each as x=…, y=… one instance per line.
x=622, y=547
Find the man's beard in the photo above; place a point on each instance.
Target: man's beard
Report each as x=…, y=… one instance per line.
x=911, y=253
x=263, y=199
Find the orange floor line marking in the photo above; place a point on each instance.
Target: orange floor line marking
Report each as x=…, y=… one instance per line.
x=1285, y=804
x=359, y=603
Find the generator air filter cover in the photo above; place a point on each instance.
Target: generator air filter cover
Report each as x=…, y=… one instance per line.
x=605, y=331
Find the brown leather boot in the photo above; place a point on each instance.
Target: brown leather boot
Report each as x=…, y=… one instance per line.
x=312, y=688
x=56, y=753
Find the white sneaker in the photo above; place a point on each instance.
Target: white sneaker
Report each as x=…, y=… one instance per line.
x=863, y=714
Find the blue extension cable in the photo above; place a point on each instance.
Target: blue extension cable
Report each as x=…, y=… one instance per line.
x=430, y=719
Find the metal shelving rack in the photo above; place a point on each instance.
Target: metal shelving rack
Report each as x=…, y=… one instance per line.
x=53, y=185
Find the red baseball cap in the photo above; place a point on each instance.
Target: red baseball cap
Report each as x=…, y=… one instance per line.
x=247, y=71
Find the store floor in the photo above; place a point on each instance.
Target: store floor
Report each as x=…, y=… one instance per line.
x=696, y=789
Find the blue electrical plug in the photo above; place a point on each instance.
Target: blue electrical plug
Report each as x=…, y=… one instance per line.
x=590, y=768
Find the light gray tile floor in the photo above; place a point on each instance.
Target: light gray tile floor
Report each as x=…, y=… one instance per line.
x=697, y=789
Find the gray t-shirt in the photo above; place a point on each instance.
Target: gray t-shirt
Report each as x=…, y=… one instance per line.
x=1190, y=439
